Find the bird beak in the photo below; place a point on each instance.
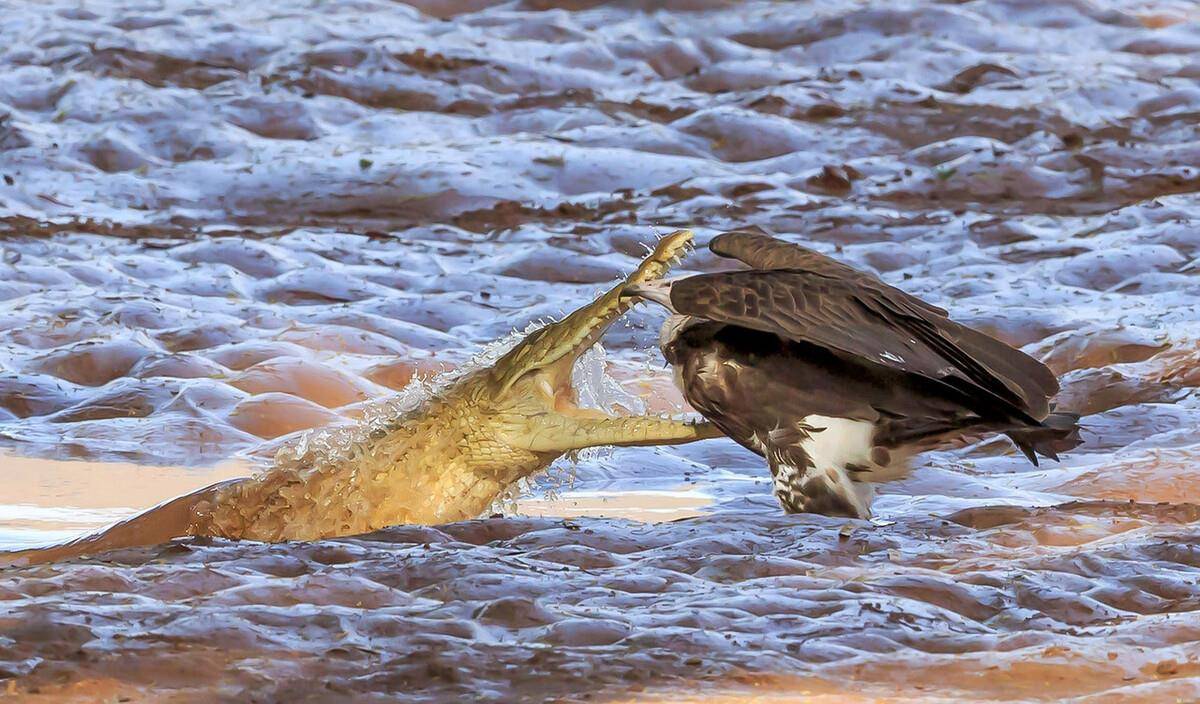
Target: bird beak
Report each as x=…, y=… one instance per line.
x=657, y=291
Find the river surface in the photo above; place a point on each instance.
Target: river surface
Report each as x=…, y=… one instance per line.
x=224, y=223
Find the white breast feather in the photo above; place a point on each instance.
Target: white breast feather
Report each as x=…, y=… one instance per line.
x=836, y=442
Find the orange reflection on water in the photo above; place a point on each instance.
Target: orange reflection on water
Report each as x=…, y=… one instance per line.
x=47, y=500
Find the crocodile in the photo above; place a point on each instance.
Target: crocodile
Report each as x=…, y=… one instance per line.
x=446, y=458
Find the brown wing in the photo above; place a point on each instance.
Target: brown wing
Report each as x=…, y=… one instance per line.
x=1021, y=374
x=852, y=320
x=765, y=252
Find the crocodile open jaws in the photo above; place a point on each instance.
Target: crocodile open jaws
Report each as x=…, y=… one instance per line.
x=445, y=459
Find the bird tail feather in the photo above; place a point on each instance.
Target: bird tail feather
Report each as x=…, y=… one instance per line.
x=1059, y=432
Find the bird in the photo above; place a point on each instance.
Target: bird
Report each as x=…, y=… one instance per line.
x=839, y=379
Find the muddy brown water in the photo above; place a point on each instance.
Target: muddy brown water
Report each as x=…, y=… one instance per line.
x=226, y=223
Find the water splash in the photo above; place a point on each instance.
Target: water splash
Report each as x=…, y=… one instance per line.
x=594, y=388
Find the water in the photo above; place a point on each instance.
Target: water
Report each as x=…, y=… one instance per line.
x=227, y=223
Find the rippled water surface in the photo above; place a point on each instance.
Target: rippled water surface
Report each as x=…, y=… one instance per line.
x=224, y=223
